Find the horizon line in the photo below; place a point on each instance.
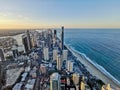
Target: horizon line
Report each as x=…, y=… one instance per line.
x=54, y=28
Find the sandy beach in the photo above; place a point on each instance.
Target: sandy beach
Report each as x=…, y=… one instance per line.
x=95, y=71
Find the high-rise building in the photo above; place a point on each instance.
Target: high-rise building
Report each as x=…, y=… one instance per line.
x=46, y=53
x=65, y=54
x=75, y=78
x=55, y=53
x=60, y=44
x=82, y=86
x=15, y=51
x=55, y=38
x=59, y=62
x=43, y=68
x=2, y=58
x=62, y=38
x=42, y=44
x=33, y=41
x=55, y=82
x=63, y=82
x=29, y=40
x=70, y=66
x=55, y=33
x=24, y=40
x=40, y=54
x=49, y=40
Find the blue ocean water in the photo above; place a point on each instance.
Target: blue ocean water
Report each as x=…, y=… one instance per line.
x=102, y=46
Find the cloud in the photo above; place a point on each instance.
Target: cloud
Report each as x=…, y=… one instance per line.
x=20, y=16
x=3, y=14
x=23, y=17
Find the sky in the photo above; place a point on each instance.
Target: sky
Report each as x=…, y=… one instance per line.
x=56, y=13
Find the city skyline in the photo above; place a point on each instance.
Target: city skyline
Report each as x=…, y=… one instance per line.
x=39, y=60
x=53, y=14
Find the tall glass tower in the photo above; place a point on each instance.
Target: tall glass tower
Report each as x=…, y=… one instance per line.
x=62, y=37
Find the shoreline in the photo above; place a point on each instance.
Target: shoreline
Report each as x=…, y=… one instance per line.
x=94, y=70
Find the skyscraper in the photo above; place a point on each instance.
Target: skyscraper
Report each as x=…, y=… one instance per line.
x=75, y=78
x=55, y=33
x=55, y=38
x=46, y=53
x=65, y=54
x=2, y=58
x=29, y=40
x=15, y=51
x=33, y=41
x=82, y=84
x=69, y=65
x=55, y=52
x=62, y=38
x=24, y=40
x=55, y=82
x=49, y=41
x=59, y=62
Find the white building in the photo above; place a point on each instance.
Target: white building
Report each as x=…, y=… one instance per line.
x=59, y=62
x=69, y=65
x=55, y=53
x=46, y=53
x=65, y=54
x=55, y=82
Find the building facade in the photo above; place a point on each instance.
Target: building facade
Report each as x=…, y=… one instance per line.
x=55, y=82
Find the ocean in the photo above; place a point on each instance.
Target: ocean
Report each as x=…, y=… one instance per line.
x=101, y=46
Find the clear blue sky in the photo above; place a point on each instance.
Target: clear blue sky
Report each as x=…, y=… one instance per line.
x=55, y=13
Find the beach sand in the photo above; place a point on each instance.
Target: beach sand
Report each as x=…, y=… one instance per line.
x=95, y=71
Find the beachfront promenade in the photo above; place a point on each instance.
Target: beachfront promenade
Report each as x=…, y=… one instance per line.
x=94, y=70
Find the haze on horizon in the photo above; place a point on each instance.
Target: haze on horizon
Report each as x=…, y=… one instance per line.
x=19, y=14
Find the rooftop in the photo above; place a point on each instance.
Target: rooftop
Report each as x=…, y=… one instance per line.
x=55, y=76
x=12, y=75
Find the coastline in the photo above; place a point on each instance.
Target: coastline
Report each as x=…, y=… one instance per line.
x=94, y=70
